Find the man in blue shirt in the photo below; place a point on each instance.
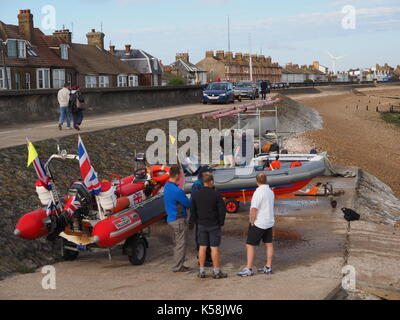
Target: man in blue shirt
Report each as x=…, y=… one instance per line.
x=176, y=203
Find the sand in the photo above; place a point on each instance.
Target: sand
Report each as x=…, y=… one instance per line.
x=359, y=137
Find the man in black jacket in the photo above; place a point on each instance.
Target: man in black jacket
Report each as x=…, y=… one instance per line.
x=208, y=211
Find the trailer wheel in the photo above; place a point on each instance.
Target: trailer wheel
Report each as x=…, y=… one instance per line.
x=69, y=255
x=137, y=251
x=232, y=206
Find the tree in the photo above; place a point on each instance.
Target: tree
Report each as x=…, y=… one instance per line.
x=176, y=81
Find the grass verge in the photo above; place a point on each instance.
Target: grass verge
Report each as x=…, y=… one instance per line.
x=391, y=117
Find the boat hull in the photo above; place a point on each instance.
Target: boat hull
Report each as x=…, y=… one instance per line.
x=231, y=182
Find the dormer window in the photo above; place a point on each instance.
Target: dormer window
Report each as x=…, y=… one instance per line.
x=64, y=51
x=12, y=48
x=21, y=49
x=16, y=48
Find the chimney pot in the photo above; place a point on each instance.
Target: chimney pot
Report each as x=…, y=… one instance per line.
x=127, y=48
x=25, y=24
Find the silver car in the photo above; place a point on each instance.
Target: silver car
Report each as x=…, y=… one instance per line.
x=246, y=89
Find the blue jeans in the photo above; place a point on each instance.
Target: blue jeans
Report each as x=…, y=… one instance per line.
x=65, y=112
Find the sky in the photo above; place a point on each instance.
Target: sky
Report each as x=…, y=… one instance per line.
x=365, y=32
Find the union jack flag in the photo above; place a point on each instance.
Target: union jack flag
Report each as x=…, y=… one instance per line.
x=72, y=205
x=51, y=208
x=89, y=176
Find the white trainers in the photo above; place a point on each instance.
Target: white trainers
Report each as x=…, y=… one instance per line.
x=265, y=270
x=246, y=272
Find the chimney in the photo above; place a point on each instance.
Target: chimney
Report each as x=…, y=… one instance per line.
x=127, y=49
x=25, y=24
x=112, y=50
x=65, y=35
x=220, y=54
x=95, y=39
x=182, y=56
x=229, y=55
x=209, y=54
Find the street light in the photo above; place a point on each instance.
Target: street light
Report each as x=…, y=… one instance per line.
x=2, y=49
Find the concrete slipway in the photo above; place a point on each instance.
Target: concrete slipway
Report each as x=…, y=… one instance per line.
x=313, y=243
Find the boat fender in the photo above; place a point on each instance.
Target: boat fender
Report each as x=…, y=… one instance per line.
x=121, y=204
x=43, y=193
x=107, y=197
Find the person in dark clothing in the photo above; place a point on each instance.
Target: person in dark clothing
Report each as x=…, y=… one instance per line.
x=76, y=104
x=264, y=89
x=208, y=211
x=198, y=185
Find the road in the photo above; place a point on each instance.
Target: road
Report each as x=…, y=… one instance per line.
x=17, y=134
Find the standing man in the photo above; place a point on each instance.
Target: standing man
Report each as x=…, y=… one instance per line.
x=208, y=211
x=65, y=111
x=198, y=185
x=261, y=222
x=176, y=203
x=264, y=89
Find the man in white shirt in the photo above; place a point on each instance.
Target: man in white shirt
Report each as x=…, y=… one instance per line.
x=65, y=110
x=262, y=221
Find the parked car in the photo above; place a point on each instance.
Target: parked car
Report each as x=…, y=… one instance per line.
x=221, y=92
x=246, y=89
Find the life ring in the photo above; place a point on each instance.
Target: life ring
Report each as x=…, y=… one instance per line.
x=160, y=174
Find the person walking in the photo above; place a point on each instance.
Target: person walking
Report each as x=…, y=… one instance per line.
x=198, y=185
x=208, y=211
x=262, y=221
x=65, y=111
x=264, y=89
x=76, y=104
x=176, y=203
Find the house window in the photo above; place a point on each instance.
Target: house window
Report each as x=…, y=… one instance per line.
x=12, y=48
x=17, y=80
x=133, y=80
x=104, y=82
x=58, y=78
x=64, y=51
x=21, y=49
x=3, y=84
x=43, y=78
x=27, y=81
x=91, y=81
x=122, y=80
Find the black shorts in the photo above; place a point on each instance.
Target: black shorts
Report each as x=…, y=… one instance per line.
x=255, y=235
x=209, y=236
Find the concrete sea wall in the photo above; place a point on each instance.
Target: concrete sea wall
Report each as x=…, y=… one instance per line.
x=21, y=106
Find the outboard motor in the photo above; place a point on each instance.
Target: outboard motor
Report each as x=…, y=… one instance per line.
x=82, y=194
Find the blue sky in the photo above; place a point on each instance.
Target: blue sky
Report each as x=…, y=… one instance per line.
x=289, y=31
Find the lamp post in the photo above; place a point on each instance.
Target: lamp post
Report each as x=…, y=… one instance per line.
x=4, y=63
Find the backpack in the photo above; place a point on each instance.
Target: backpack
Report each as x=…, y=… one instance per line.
x=350, y=215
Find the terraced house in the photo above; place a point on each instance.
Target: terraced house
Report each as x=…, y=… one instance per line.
x=149, y=67
x=37, y=61
x=30, y=62
x=227, y=67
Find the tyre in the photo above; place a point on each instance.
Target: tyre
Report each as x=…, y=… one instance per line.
x=284, y=151
x=313, y=151
x=69, y=255
x=232, y=206
x=137, y=249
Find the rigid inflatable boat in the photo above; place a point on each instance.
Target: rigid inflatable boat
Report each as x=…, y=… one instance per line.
x=293, y=174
